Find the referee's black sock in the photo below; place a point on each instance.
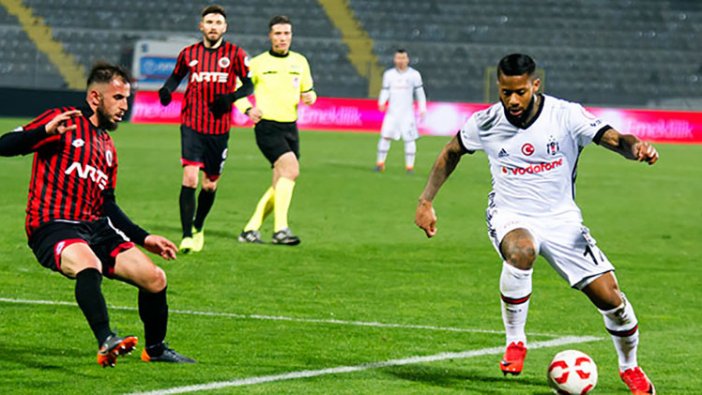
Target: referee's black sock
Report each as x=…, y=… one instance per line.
x=153, y=311
x=92, y=303
x=205, y=200
x=187, y=209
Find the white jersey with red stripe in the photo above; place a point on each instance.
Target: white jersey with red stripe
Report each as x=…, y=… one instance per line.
x=533, y=168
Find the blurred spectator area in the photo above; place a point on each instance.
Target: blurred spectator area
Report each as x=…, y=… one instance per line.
x=107, y=30
x=614, y=52
x=599, y=52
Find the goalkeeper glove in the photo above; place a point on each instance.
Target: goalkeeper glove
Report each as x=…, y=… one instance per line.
x=164, y=95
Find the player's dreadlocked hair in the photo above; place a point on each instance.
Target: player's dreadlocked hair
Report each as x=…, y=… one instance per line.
x=516, y=64
x=214, y=9
x=279, y=19
x=103, y=72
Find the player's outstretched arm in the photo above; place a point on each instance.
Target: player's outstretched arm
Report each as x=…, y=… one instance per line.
x=22, y=142
x=629, y=146
x=445, y=164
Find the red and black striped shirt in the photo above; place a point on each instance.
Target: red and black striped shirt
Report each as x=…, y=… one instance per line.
x=70, y=172
x=212, y=72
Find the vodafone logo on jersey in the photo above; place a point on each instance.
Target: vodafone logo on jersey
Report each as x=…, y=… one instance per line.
x=527, y=149
x=207, y=76
x=532, y=169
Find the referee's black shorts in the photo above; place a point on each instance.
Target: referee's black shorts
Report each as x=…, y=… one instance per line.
x=277, y=138
x=101, y=236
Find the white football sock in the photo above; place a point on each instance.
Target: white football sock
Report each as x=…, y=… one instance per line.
x=515, y=289
x=383, y=149
x=410, y=151
x=621, y=323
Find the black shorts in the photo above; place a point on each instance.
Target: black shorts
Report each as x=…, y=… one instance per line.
x=277, y=138
x=50, y=239
x=206, y=151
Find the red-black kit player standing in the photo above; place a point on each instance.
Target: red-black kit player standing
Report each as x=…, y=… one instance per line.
x=74, y=225
x=213, y=66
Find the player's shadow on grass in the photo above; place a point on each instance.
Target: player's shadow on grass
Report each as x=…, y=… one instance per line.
x=465, y=379
x=34, y=358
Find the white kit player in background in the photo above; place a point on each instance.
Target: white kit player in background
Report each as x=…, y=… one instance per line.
x=533, y=142
x=401, y=86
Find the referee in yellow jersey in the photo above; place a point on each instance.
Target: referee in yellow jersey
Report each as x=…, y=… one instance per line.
x=281, y=79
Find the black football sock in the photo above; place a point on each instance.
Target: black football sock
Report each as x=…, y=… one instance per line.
x=92, y=303
x=153, y=311
x=205, y=200
x=187, y=209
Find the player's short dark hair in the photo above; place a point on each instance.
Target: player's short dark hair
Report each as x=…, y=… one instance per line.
x=214, y=9
x=278, y=19
x=402, y=50
x=516, y=64
x=103, y=73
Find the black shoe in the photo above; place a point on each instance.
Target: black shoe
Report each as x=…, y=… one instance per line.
x=168, y=355
x=250, y=236
x=113, y=347
x=285, y=237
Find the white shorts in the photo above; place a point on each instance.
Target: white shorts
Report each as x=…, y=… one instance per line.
x=395, y=127
x=565, y=244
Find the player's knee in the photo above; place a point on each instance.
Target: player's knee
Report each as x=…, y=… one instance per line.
x=209, y=185
x=521, y=254
x=292, y=173
x=156, y=280
x=190, y=182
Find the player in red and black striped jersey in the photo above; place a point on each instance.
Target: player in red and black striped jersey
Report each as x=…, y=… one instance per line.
x=214, y=66
x=74, y=224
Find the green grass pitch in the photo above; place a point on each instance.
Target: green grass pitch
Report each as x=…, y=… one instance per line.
x=248, y=311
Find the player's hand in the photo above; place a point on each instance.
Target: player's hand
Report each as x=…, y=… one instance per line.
x=160, y=245
x=221, y=105
x=254, y=114
x=422, y=115
x=308, y=98
x=644, y=152
x=381, y=107
x=164, y=95
x=425, y=218
x=58, y=124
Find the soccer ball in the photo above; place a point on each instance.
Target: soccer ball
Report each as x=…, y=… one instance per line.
x=572, y=372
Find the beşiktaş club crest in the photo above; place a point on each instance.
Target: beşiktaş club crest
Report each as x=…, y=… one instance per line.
x=552, y=146
x=224, y=62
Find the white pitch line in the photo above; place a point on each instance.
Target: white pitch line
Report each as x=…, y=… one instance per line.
x=289, y=319
x=366, y=366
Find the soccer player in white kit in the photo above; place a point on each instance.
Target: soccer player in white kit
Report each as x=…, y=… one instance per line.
x=533, y=142
x=401, y=85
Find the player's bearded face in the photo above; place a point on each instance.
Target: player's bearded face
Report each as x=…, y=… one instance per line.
x=213, y=27
x=517, y=96
x=112, y=105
